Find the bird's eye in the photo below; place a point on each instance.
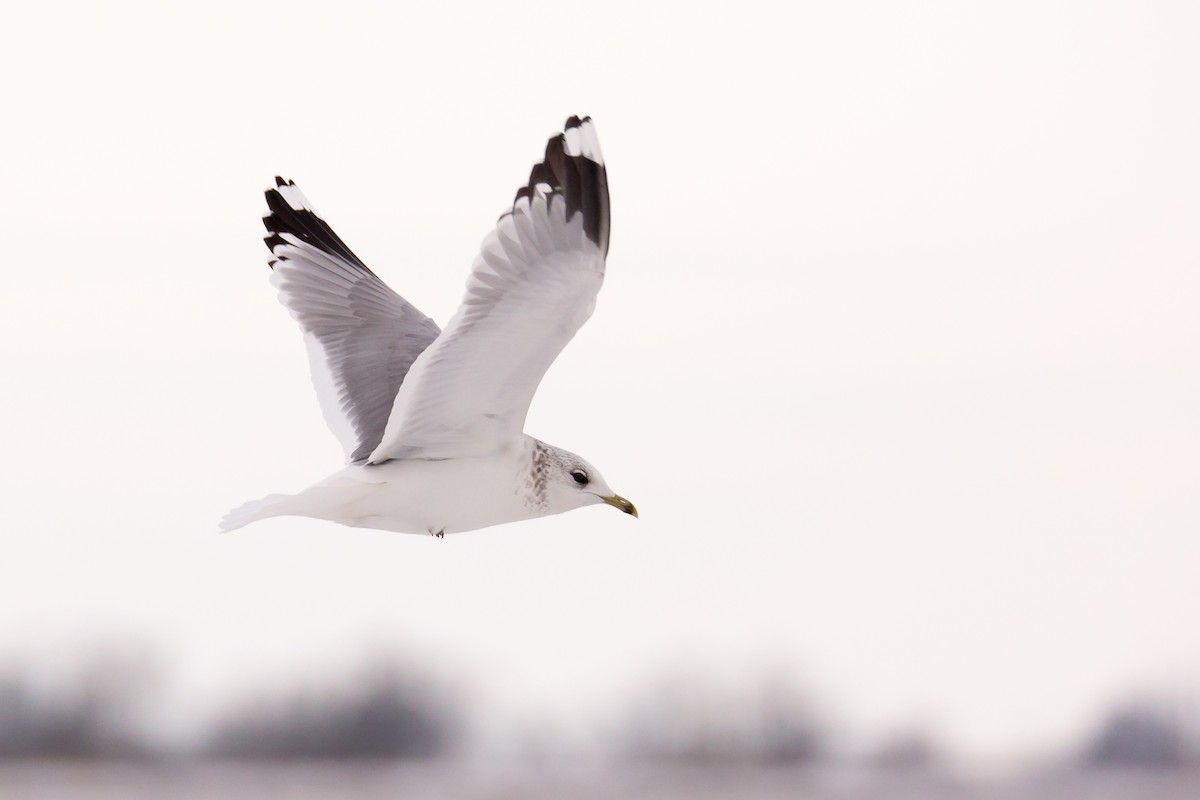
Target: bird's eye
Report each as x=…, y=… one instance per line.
x=580, y=476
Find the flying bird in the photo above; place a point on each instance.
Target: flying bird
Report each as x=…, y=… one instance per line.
x=432, y=421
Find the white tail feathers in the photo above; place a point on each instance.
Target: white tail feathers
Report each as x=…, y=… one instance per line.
x=273, y=505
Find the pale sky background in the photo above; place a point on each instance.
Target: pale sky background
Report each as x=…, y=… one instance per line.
x=898, y=353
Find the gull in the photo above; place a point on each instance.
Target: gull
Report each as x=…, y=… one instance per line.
x=432, y=421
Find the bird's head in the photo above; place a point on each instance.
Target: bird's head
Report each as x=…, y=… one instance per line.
x=569, y=481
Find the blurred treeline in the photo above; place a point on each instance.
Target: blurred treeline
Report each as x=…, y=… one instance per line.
x=108, y=707
x=102, y=709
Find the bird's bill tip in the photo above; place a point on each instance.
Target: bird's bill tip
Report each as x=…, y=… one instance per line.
x=618, y=502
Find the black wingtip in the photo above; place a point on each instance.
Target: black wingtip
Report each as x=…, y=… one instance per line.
x=581, y=181
x=301, y=223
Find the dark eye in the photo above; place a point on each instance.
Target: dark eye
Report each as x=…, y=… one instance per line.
x=580, y=476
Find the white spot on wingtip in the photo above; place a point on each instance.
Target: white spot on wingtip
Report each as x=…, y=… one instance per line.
x=571, y=141
x=582, y=141
x=591, y=143
x=294, y=197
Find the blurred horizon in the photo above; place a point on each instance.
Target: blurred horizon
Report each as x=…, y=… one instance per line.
x=117, y=705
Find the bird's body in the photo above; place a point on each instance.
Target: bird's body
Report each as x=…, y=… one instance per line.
x=422, y=496
x=432, y=420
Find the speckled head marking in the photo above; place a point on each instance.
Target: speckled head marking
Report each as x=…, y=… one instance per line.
x=558, y=480
x=540, y=475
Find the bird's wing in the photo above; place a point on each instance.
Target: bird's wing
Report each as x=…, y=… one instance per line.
x=531, y=287
x=362, y=337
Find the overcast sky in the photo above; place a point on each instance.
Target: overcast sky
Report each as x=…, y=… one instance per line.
x=897, y=353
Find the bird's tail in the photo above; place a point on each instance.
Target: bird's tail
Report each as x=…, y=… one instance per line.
x=273, y=505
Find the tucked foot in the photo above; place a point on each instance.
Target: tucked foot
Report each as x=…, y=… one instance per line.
x=440, y=534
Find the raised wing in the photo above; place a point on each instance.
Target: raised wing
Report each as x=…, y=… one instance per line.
x=532, y=286
x=362, y=337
